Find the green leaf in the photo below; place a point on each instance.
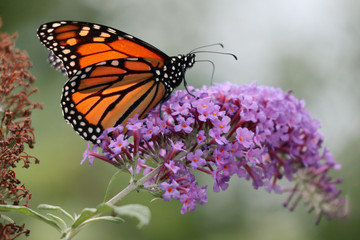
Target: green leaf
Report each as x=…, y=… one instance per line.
x=142, y=213
x=31, y=213
x=106, y=218
x=103, y=208
x=59, y=220
x=6, y=218
x=109, y=187
x=85, y=214
x=88, y=213
x=56, y=208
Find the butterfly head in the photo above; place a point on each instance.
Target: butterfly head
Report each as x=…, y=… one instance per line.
x=173, y=72
x=183, y=62
x=188, y=60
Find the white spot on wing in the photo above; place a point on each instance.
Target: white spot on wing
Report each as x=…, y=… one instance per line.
x=56, y=25
x=115, y=63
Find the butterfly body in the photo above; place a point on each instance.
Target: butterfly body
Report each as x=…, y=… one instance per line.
x=112, y=75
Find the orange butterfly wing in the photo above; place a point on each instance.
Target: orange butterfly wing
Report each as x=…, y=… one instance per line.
x=112, y=75
x=81, y=44
x=105, y=95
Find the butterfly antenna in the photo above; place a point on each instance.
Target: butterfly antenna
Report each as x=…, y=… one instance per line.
x=209, y=45
x=196, y=50
x=213, y=69
x=224, y=53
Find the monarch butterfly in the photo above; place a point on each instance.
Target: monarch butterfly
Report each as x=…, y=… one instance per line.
x=112, y=75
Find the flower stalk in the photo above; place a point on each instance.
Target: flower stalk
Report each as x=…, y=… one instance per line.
x=133, y=186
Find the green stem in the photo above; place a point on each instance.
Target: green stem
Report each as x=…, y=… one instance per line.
x=133, y=186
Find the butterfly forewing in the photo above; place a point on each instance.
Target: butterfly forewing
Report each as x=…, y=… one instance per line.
x=81, y=44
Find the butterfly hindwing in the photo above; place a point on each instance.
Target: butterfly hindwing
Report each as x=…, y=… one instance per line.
x=107, y=94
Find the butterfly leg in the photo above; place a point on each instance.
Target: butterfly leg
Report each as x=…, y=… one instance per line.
x=185, y=85
x=160, y=105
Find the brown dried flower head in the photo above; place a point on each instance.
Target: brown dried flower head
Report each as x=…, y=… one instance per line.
x=15, y=127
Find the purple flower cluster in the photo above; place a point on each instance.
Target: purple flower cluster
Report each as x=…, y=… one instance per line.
x=254, y=132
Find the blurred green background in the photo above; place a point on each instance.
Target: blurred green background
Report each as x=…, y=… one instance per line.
x=309, y=46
